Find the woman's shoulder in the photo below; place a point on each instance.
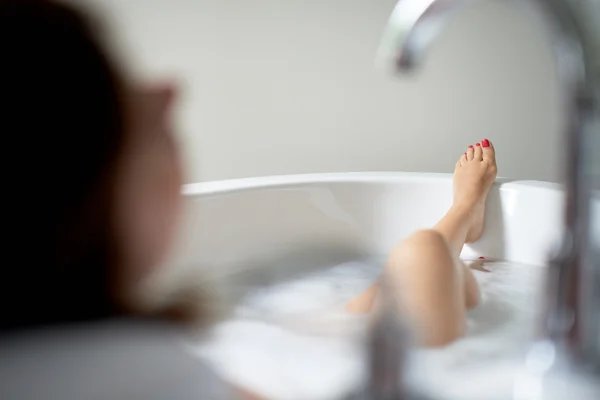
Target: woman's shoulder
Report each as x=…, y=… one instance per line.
x=115, y=359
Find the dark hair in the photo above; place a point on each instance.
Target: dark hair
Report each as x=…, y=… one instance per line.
x=63, y=126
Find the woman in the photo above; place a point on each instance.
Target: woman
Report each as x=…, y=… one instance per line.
x=434, y=287
x=98, y=214
x=89, y=223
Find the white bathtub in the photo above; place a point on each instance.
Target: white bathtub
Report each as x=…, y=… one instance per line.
x=242, y=221
x=276, y=226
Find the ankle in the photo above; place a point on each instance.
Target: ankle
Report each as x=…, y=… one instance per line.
x=463, y=209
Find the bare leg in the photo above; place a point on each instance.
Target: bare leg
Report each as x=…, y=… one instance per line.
x=436, y=285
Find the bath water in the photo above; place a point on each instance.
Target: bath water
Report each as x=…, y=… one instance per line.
x=294, y=340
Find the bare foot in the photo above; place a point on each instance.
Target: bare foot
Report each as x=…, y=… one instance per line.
x=474, y=175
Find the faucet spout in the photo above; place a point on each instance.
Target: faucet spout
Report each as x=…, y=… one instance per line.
x=412, y=27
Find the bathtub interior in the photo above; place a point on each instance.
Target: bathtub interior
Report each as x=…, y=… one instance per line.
x=261, y=232
x=251, y=224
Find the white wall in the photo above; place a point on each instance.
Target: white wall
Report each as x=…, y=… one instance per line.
x=289, y=86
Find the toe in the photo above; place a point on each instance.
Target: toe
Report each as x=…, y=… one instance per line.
x=470, y=153
x=478, y=153
x=489, y=154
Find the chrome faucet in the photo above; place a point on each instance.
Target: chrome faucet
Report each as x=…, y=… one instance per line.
x=571, y=328
x=387, y=345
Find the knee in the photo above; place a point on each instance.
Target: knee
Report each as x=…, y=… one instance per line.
x=427, y=238
x=420, y=244
x=426, y=251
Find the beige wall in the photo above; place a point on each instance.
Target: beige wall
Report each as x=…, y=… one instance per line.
x=289, y=86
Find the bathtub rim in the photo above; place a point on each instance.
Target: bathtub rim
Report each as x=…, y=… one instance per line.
x=225, y=186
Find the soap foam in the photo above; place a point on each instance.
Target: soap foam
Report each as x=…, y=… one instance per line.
x=295, y=341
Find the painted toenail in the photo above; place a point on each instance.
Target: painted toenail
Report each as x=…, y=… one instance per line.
x=470, y=146
x=477, y=145
x=485, y=143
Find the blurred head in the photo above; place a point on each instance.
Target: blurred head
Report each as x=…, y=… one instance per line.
x=91, y=172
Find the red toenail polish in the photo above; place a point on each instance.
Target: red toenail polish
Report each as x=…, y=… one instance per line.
x=477, y=145
x=482, y=258
x=470, y=146
x=485, y=143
